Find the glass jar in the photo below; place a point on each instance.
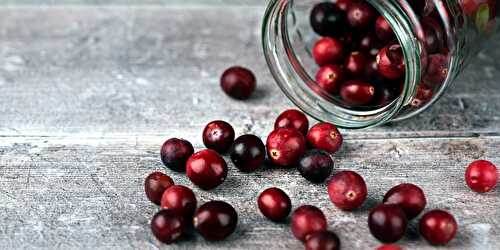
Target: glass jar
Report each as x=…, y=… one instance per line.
x=461, y=28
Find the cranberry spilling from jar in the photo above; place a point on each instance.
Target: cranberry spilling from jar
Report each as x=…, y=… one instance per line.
x=325, y=136
x=238, y=82
x=180, y=199
x=219, y=136
x=306, y=220
x=275, y=204
x=409, y=197
x=175, y=152
x=215, y=220
x=481, y=176
x=347, y=190
x=155, y=184
x=248, y=153
x=167, y=226
x=285, y=146
x=324, y=240
x=387, y=222
x=328, y=50
x=438, y=227
x=206, y=169
x=315, y=166
x=327, y=19
x=330, y=78
x=292, y=118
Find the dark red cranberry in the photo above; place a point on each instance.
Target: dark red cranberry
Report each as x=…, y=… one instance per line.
x=167, y=226
x=306, y=220
x=383, y=30
x=175, y=152
x=385, y=94
x=371, y=70
x=387, y=222
x=330, y=77
x=409, y=197
x=347, y=190
x=389, y=247
x=238, y=82
x=437, y=70
x=155, y=184
x=423, y=96
x=367, y=43
x=292, y=118
x=328, y=50
x=434, y=35
x=181, y=199
x=206, y=169
x=357, y=93
x=355, y=64
x=438, y=227
x=348, y=40
x=285, y=146
x=360, y=14
x=344, y=4
x=390, y=60
x=219, y=136
x=327, y=19
x=215, y=220
x=324, y=240
x=315, y=166
x=248, y=153
x=325, y=136
x=275, y=204
x=481, y=176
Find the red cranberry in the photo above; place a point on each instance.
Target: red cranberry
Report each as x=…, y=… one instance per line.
x=330, y=77
x=344, y=4
x=383, y=30
x=387, y=222
x=324, y=240
x=175, y=152
x=360, y=14
x=423, y=96
x=285, y=146
x=167, y=226
x=434, y=35
x=385, y=94
x=357, y=93
x=367, y=43
x=327, y=50
x=409, y=197
x=371, y=70
x=155, y=184
x=389, y=247
x=248, y=153
x=215, y=220
x=327, y=19
x=390, y=60
x=181, y=199
x=306, y=220
x=292, y=118
x=219, y=136
x=347, y=190
x=316, y=166
x=481, y=176
x=438, y=227
x=437, y=69
x=355, y=64
x=238, y=82
x=325, y=136
x=275, y=204
x=206, y=169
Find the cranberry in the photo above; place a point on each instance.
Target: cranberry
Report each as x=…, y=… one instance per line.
x=324, y=240
x=285, y=146
x=383, y=29
x=167, y=226
x=344, y=4
x=327, y=50
x=155, y=184
x=330, y=77
x=423, y=96
x=438, y=227
x=481, y=176
x=347, y=190
x=355, y=63
x=327, y=19
x=387, y=222
x=325, y=136
x=206, y=169
x=385, y=94
x=275, y=204
x=437, y=69
x=215, y=220
x=181, y=199
x=434, y=35
x=248, y=153
x=292, y=118
x=390, y=60
x=219, y=136
x=175, y=152
x=238, y=82
x=360, y=14
x=369, y=43
x=316, y=166
x=306, y=220
x=348, y=40
x=371, y=70
x=389, y=247
x=470, y=7
x=409, y=197
x=357, y=93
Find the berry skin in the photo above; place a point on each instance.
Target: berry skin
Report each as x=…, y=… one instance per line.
x=215, y=220
x=438, y=227
x=360, y=14
x=328, y=50
x=285, y=146
x=292, y=118
x=238, y=82
x=315, y=166
x=248, y=153
x=324, y=240
x=330, y=78
x=423, y=96
x=387, y=222
x=167, y=226
x=327, y=19
x=206, y=169
x=175, y=152
x=390, y=60
x=481, y=176
x=275, y=204
x=218, y=136
x=437, y=70
x=409, y=197
x=355, y=64
x=383, y=30
x=325, y=136
x=389, y=247
x=307, y=219
x=155, y=184
x=180, y=199
x=347, y=190
x=357, y=93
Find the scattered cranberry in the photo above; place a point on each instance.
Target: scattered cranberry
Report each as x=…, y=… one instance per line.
x=180, y=199
x=330, y=77
x=389, y=247
x=360, y=14
x=357, y=93
x=437, y=69
x=215, y=220
x=307, y=219
x=327, y=50
x=355, y=64
x=292, y=118
x=275, y=204
x=390, y=62
x=438, y=227
x=238, y=82
x=316, y=166
x=324, y=240
x=285, y=146
x=347, y=190
x=167, y=226
x=383, y=30
x=325, y=136
x=409, y=197
x=206, y=169
x=248, y=153
x=387, y=222
x=175, y=152
x=155, y=184
x=327, y=19
x=219, y=136
x=423, y=96
x=481, y=176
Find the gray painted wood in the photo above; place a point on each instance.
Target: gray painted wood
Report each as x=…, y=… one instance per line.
x=87, y=95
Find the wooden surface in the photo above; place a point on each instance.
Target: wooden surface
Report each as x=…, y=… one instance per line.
x=88, y=94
